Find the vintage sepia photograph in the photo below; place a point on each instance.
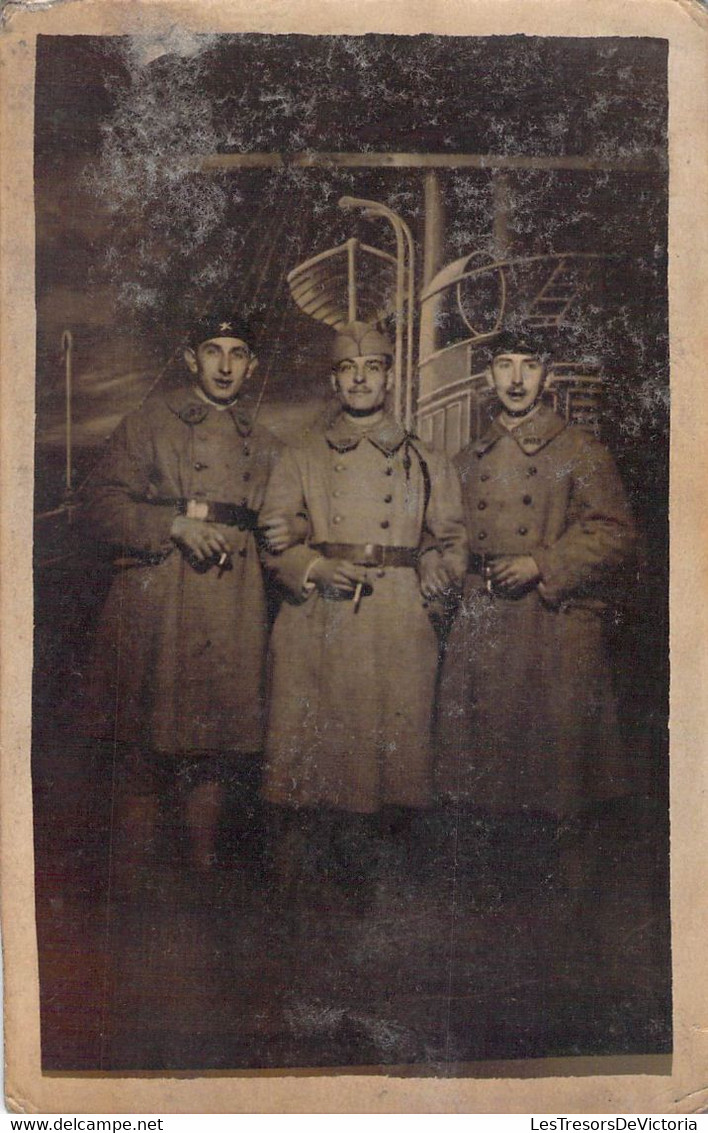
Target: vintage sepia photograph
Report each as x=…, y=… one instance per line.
x=350, y=692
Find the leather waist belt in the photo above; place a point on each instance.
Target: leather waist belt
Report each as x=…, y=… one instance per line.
x=369, y=554
x=231, y=515
x=478, y=564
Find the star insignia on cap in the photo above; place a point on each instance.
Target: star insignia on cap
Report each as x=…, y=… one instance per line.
x=226, y=326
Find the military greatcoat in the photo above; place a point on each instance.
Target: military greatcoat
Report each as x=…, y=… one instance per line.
x=351, y=690
x=527, y=716
x=180, y=656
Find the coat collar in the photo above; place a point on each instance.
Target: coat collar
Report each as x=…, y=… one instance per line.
x=530, y=436
x=191, y=409
x=387, y=435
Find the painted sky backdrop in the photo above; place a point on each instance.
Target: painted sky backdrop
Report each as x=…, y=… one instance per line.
x=131, y=240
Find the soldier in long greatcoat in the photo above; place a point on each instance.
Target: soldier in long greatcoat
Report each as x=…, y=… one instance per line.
x=180, y=655
x=354, y=651
x=527, y=715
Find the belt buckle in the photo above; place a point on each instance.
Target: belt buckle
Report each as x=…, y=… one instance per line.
x=372, y=556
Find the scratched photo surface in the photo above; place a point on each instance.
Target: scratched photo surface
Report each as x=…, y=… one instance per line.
x=464, y=189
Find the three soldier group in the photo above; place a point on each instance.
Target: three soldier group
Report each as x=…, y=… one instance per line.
x=365, y=532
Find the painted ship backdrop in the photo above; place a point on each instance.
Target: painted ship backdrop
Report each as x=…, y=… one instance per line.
x=444, y=246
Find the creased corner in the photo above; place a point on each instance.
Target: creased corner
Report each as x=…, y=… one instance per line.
x=8, y=8
x=17, y=1105
x=697, y=10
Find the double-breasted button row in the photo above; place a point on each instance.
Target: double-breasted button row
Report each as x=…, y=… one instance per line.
x=337, y=519
x=482, y=504
x=199, y=466
x=483, y=534
x=337, y=493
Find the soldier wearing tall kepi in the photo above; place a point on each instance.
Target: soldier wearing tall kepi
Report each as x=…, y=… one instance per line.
x=354, y=651
x=180, y=655
x=528, y=731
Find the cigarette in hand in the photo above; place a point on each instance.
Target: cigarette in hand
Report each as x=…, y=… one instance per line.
x=222, y=558
x=357, y=596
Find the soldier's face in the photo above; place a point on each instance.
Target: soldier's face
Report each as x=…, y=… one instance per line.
x=221, y=365
x=518, y=380
x=362, y=382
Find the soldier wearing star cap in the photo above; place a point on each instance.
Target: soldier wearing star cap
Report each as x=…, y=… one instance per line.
x=181, y=647
x=353, y=650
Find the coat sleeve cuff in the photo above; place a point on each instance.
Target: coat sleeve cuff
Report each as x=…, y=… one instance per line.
x=548, y=586
x=292, y=569
x=155, y=534
x=308, y=585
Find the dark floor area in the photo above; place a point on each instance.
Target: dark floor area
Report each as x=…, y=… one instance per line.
x=447, y=960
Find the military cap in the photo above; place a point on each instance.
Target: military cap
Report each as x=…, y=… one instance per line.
x=222, y=324
x=521, y=341
x=354, y=340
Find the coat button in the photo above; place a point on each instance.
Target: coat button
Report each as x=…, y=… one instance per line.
x=388, y=498
x=242, y=553
x=532, y=470
x=482, y=535
x=339, y=468
x=527, y=500
x=198, y=466
x=484, y=476
x=246, y=450
x=523, y=531
x=336, y=493
x=384, y=523
x=388, y=471
x=481, y=505
x=336, y=519
x=380, y=573
x=247, y=475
